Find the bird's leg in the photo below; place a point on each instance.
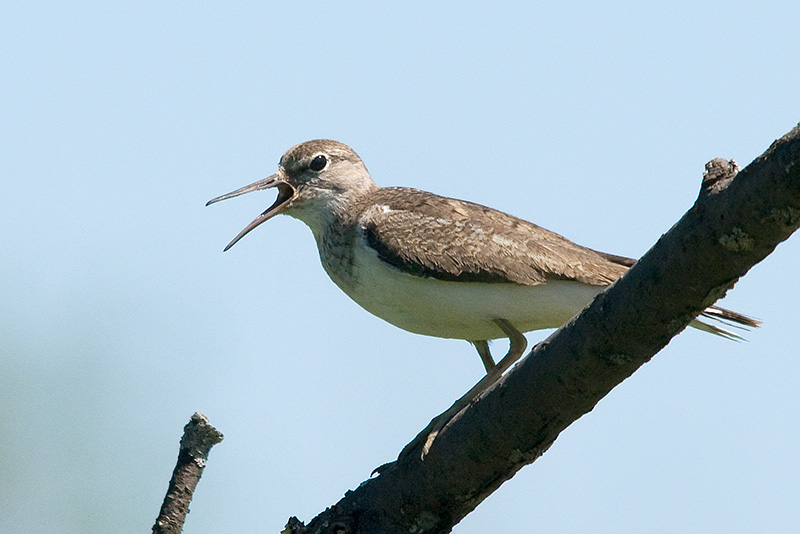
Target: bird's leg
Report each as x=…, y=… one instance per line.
x=517, y=345
x=485, y=354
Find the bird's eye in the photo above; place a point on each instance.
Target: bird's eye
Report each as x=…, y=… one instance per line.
x=318, y=163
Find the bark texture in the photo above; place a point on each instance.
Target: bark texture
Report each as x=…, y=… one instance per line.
x=198, y=438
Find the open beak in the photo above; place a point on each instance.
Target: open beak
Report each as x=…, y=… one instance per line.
x=285, y=194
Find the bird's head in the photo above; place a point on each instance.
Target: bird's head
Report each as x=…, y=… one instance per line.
x=316, y=182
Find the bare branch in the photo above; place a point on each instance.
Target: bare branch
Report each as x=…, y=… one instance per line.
x=198, y=438
x=736, y=222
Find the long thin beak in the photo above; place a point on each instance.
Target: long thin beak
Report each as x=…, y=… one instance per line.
x=285, y=194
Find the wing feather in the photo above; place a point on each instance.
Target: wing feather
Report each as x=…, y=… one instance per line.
x=449, y=239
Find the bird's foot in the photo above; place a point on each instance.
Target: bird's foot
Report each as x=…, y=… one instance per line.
x=425, y=439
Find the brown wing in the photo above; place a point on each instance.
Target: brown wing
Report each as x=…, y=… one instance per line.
x=455, y=240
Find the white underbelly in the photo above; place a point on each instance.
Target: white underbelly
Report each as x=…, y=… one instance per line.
x=460, y=310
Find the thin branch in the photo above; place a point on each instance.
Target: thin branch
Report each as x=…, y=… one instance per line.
x=736, y=222
x=198, y=438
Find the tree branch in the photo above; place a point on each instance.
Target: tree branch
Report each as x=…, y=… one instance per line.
x=735, y=223
x=198, y=438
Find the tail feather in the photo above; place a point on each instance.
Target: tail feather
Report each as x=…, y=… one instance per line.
x=726, y=317
x=731, y=317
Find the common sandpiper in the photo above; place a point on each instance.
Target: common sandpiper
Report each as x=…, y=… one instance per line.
x=439, y=266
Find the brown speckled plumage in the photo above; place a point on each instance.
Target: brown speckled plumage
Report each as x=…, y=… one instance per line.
x=455, y=240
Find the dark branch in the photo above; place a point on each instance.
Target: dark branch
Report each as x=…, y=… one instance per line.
x=736, y=222
x=198, y=438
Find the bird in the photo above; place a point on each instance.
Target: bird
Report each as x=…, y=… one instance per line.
x=440, y=266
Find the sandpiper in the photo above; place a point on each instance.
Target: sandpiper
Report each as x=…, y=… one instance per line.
x=440, y=266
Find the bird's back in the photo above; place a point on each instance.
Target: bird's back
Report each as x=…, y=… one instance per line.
x=455, y=240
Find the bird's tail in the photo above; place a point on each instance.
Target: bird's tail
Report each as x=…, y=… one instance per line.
x=726, y=317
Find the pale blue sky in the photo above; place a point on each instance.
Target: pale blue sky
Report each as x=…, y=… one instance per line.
x=121, y=315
